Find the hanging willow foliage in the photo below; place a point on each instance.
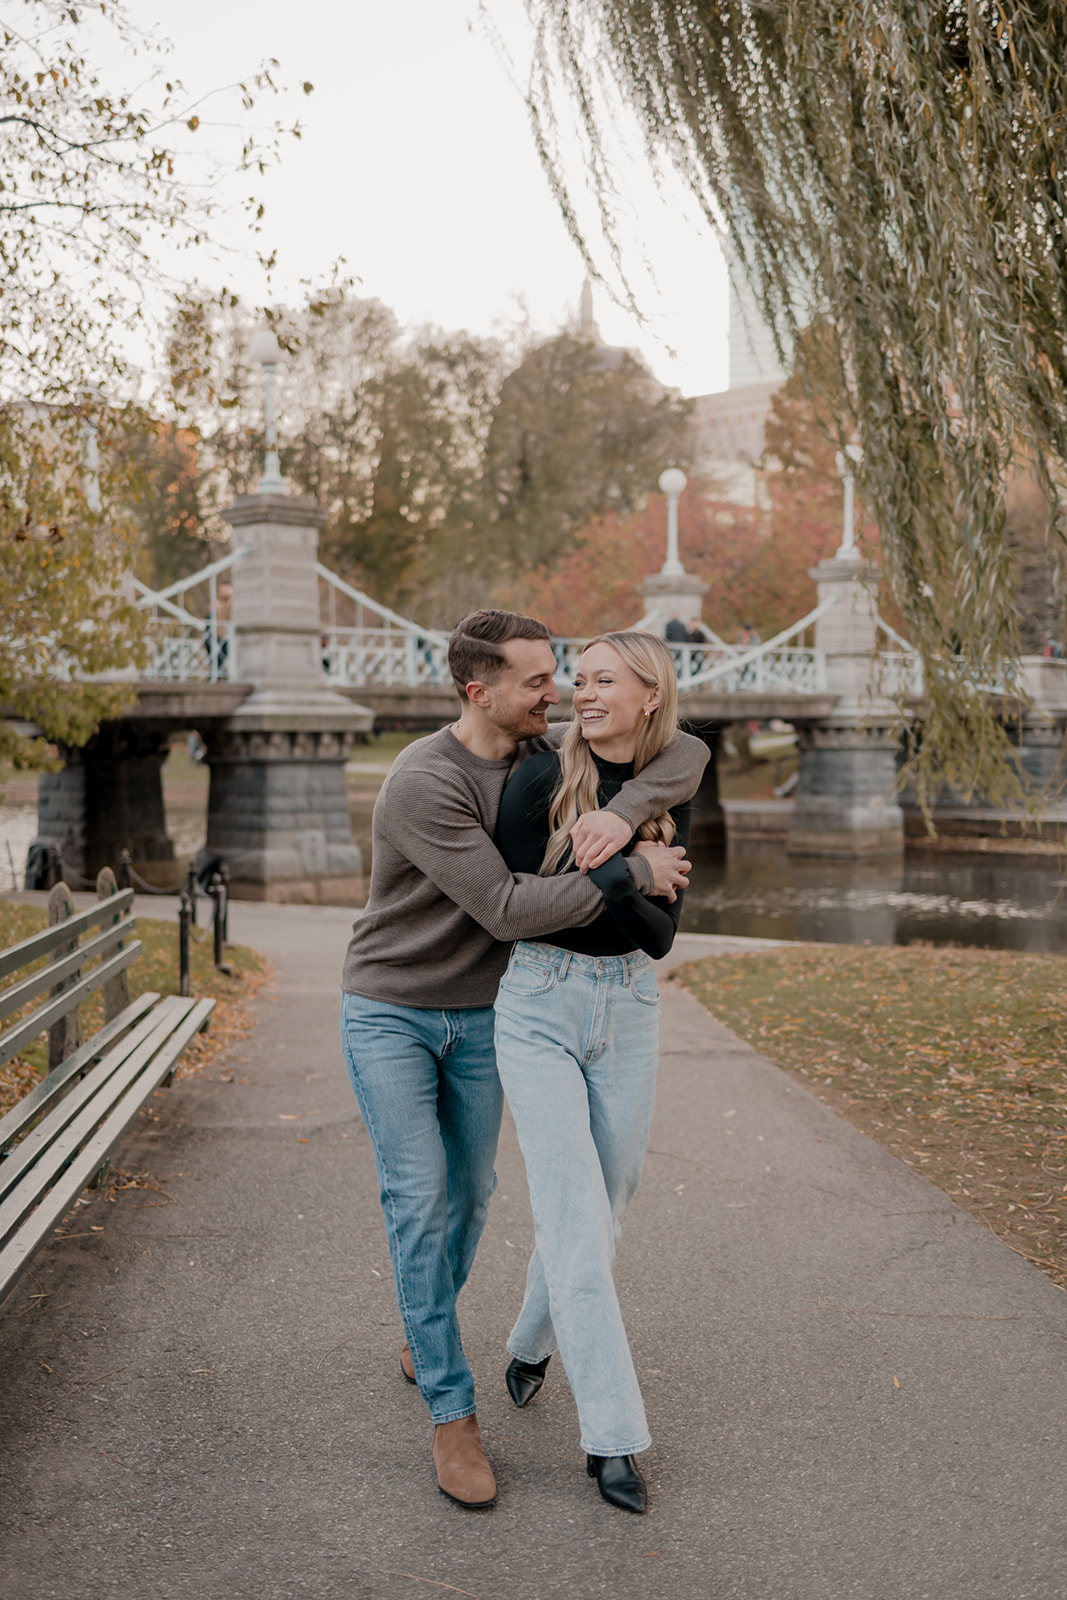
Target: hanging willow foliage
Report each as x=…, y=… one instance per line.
x=896, y=167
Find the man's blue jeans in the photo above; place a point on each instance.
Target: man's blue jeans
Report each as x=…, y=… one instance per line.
x=429, y=1094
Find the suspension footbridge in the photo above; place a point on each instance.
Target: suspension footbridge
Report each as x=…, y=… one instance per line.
x=281, y=666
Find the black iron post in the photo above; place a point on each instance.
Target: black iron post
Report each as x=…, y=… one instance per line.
x=185, y=917
x=190, y=889
x=224, y=873
x=217, y=891
x=124, y=869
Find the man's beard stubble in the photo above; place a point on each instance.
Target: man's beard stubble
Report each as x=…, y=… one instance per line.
x=520, y=725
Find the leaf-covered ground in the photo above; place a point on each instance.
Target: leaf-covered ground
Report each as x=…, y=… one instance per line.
x=155, y=968
x=954, y=1060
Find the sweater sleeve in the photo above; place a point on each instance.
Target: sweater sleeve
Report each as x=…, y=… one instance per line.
x=650, y=923
x=434, y=823
x=669, y=780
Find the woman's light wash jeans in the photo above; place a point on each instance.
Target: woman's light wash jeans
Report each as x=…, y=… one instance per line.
x=577, y=1045
x=430, y=1097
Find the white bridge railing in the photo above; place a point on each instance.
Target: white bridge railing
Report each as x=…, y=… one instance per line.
x=184, y=647
x=365, y=644
x=899, y=669
x=729, y=668
x=377, y=647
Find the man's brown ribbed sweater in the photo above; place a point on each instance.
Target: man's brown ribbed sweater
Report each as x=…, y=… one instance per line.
x=443, y=907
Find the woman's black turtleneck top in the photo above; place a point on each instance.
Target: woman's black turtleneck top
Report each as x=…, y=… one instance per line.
x=630, y=920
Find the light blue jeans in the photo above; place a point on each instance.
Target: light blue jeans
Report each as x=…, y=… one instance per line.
x=430, y=1097
x=577, y=1044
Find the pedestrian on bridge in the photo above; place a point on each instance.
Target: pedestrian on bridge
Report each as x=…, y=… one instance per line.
x=421, y=975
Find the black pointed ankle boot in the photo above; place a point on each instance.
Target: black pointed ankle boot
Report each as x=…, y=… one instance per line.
x=524, y=1378
x=619, y=1480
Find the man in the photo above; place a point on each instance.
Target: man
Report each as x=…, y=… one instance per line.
x=677, y=633
x=421, y=975
x=218, y=628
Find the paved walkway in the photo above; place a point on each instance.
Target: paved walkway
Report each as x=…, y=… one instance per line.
x=854, y=1389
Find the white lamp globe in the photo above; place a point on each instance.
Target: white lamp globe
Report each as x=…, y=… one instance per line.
x=265, y=348
x=672, y=480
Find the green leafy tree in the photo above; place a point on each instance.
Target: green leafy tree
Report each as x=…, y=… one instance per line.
x=65, y=610
x=392, y=446
x=897, y=167
x=448, y=463
x=579, y=431
x=94, y=185
x=384, y=427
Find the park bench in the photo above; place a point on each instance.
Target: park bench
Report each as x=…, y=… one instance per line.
x=58, y=1139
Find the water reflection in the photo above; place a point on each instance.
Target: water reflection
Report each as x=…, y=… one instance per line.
x=998, y=903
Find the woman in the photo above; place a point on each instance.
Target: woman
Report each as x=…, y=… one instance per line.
x=577, y=1037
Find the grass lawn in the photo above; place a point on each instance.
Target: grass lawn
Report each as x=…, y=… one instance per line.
x=155, y=968
x=955, y=1060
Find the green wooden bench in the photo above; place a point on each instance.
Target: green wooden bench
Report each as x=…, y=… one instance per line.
x=58, y=1139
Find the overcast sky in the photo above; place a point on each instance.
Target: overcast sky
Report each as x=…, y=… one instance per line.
x=418, y=167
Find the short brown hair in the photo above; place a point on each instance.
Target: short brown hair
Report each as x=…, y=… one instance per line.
x=474, y=653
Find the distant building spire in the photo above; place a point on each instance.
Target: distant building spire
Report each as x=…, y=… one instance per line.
x=587, y=328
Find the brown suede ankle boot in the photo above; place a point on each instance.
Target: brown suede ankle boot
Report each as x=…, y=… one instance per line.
x=407, y=1366
x=463, y=1473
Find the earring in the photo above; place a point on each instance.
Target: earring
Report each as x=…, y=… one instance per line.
x=647, y=715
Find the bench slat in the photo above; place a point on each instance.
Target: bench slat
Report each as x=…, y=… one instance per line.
x=15, y=998
x=49, y=1089
x=39, y=944
x=68, y=1138
x=192, y=1024
x=15, y=1257
x=48, y=1130
x=12, y=1041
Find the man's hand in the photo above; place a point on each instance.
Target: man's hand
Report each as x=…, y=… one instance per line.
x=670, y=869
x=597, y=836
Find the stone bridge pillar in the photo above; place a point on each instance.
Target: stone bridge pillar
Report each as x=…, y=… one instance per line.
x=1038, y=729
x=108, y=797
x=846, y=802
x=278, y=808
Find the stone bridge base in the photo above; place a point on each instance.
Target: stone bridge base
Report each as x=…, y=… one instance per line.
x=846, y=804
x=278, y=815
x=1041, y=740
x=108, y=797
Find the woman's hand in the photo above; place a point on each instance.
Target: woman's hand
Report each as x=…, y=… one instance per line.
x=670, y=869
x=597, y=836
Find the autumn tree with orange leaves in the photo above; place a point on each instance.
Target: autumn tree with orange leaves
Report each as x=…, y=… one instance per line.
x=756, y=560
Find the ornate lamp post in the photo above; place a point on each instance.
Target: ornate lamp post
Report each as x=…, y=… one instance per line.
x=671, y=594
x=278, y=810
x=268, y=352
x=847, y=462
x=672, y=482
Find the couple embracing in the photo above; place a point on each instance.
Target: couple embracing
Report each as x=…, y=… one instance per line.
x=520, y=886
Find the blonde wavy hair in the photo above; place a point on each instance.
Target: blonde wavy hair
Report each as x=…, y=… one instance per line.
x=652, y=662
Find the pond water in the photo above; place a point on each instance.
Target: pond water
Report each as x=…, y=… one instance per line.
x=998, y=902
x=995, y=901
